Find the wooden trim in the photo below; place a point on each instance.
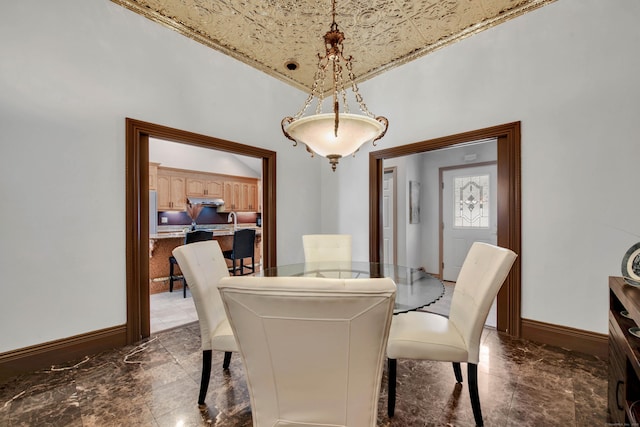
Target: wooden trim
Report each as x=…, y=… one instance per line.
x=565, y=337
x=376, y=175
x=509, y=200
x=45, y=355
x=137, y=209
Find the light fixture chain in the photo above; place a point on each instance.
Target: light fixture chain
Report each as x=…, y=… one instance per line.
x=345, y=103
x=319, y=77
x=322, y=69
x=354, y=89
x=312, y=131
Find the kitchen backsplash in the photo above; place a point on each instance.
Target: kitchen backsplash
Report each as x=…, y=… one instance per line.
x=209, y=215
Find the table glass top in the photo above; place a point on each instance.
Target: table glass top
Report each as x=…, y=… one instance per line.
x=415, y=288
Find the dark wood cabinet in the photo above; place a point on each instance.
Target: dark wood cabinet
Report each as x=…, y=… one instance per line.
x=624, y=353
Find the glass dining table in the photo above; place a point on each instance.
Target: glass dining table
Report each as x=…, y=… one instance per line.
x=415, y=288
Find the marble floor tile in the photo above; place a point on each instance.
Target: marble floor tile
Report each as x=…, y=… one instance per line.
x=156, y=383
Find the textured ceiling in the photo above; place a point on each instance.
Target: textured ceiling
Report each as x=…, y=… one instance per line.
x=379, y=34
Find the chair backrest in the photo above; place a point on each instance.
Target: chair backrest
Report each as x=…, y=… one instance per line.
x=483, y=272
x=326, y=247
x=243, y=243
x=203, y=265
x=313, y=349
x=197, y=236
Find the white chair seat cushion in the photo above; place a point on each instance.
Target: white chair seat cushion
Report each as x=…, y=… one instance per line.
x=419, y=335
x=222, y=338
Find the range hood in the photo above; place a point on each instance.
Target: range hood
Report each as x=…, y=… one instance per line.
x=205, y=201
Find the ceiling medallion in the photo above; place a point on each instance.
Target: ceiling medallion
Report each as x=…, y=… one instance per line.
x=341, y=133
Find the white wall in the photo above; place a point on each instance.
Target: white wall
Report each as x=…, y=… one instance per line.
x=569, y=72
x=72, y=70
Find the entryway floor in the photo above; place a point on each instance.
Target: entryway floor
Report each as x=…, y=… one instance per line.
x=170, y=309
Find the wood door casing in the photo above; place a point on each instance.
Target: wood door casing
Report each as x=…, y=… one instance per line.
x=509, y=205
x=137, y=210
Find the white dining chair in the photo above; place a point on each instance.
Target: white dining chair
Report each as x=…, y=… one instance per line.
x=326, y=247
x=429, y=336
x=203, y=265
x=313, y=349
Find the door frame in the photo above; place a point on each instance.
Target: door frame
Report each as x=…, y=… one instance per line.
x=137, y=210
x=509, y=206
x=394, y=171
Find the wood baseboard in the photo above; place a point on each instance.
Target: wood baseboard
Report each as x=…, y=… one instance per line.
x=565, y=337
x=43, y=356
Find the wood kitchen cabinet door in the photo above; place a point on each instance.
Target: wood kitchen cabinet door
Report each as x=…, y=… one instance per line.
x=163, y=185
x=153, y=176
x=171, y=191
x=241, y=196
x=214, y=188
x=253, y=197
x=195, y=186
x=227, y=196
x=199, y=185
x=243, y=203
x=237, y=195
x=178, y=193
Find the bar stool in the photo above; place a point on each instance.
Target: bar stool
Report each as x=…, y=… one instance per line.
x=189, y=237
x=243, y=247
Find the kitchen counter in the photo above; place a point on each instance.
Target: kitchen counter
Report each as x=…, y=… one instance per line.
x=218, y=231
x=162, y=244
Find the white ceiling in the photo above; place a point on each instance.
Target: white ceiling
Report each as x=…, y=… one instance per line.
x=190, y=157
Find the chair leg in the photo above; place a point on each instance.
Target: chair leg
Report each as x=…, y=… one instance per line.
x=227, y=360
x=472, y=373
x=206, y=375
x=184, y=288
x=170, y=276
x=457, y=371
x=391, y=387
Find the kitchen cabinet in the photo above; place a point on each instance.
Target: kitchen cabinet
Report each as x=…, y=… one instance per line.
x=231, y=196
x=624, y=353
x=200, y=185
x=153, y=176
x=240, y=195
x=174, y=186
x=171, y=187
x=253, y=198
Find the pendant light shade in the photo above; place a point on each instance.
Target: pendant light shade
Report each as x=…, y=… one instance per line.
x=340, y=133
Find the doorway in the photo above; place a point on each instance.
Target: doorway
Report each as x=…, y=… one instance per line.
x=468, y=214
x=389, y=209
x=137, y=210
x=508, y=206
x=172, y=309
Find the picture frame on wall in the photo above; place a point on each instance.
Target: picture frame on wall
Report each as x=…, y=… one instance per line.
x=414, y=202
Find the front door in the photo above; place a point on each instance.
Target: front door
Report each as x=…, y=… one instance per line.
x=469, y=213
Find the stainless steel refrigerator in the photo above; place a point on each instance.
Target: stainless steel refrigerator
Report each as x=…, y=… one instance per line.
x=153, y=212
